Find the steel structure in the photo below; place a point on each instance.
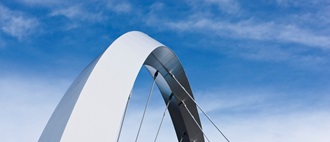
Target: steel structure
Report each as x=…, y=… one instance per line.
x=93, y=107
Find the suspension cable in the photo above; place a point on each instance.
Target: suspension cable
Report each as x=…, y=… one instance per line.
x=182, y=136
x=184, y=104
x=172, y=75
x=181, y=139
x=161, y=122
x=145, y=109
x=124, y=116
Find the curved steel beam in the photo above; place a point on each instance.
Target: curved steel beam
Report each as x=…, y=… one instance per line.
x=92, y=108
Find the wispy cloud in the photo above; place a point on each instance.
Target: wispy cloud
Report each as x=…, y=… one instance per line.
x=78, y=13
x=120, y=7
x=252, y=29
x=17, y=24
x=292, y=38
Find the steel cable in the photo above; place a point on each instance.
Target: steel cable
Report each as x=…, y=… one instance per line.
x=122, y=122
x=195, y=120
x=161, y=122
x=172, y=75
x=145, y=108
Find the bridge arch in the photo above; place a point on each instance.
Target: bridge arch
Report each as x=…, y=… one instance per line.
x=92, y=109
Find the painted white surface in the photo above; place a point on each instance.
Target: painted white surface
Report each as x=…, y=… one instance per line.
x=98, y=112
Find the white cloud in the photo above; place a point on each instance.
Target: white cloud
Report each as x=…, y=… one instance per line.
x=78, y=13
x=81, y=12
x=292, y=33
x=251, y=29
x=263, y=39
x=16, y=23
x=26, y=104
x=258, y=33
x=122, y=7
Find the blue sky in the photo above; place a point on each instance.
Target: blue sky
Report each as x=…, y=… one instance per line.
x=259, y=68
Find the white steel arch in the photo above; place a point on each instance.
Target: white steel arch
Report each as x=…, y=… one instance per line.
x=93, y=107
